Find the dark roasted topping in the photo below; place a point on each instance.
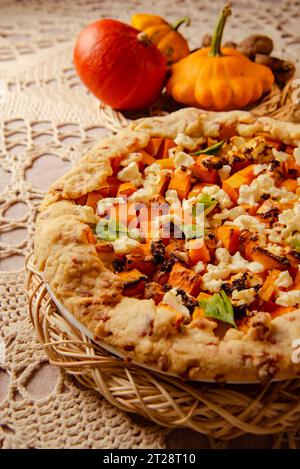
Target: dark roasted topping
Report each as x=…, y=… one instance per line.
x=238, y=284
x=214, y=162
x=166, y=266
x=119, y=265
x=272, y=213
x=189, y=301
x=295, y=254
x=239, y=311
x=275, y=164
x=283, y=260
x=158, y=250
x=242, y=281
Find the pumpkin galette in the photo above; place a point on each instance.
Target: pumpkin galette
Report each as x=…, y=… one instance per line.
x=177, y=241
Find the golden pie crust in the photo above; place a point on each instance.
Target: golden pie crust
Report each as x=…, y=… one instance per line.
x=138, y=328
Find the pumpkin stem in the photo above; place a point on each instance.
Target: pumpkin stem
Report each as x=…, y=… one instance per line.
x=178, y=23
x=144, y=39
x=218, y=32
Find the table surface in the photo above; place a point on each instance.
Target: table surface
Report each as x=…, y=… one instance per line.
x=47, y=120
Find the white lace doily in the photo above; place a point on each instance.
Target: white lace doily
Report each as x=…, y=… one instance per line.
x=47, y=120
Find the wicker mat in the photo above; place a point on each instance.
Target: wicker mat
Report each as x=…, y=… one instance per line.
x=47, y=121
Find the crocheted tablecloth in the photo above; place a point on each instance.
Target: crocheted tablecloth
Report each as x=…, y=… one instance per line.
x=47, y=119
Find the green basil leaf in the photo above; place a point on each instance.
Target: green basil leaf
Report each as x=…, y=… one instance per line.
x=219, y=307
x=110, y=230
x=295, y=243
x=212, y=150
x=208, y=204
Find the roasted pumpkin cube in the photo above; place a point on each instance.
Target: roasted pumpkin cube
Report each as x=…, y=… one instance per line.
x=290, y=184
x=180, y=181
x=130, y=277
x=147, y=159
x=234, y=182
x=182, y=277
x=163, y=184
x=166, y=163
x=166, y=145
x=136, y=260
x=205, y=174
x=268, y=259
x=126, y=189
x=153, y=145
x=232, y=185
x=229, y=237
x=93, y=199
x=134, y=282
x=267, y=291
x=290, y=167
x=197, y=251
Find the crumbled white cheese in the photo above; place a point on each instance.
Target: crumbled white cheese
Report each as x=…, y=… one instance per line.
x=237, y=141
x=275, y=249
x=175, y=301
x=239, y=264
x=105, y=204
x=248, y=222
x=199, y=267
x=225, y=214
x=131, y=174
x=284, y=280
x=274, y=234
x=242, y=297
x=141, y=195
x=219, y=195
x=125, y=245
x=280, y=155
x=153, y=174
x=228, y=264
x=285, y=216
x=183, y=159
x=231, y=213
x=288, y=298
x=223, y=255
x=215, y=276
x=132, y=157
x=264, y=184
x=291, y=219
x=259, y=168
x=224, y=172
x=297, y=155
x=171, y=197
x=185, y=141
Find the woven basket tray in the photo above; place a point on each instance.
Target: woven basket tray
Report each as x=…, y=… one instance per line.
x=219, y=411
x=278, y=104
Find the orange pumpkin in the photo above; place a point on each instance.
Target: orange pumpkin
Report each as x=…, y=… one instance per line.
x=118, y=65
x=164, y=35
x=218, y=79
